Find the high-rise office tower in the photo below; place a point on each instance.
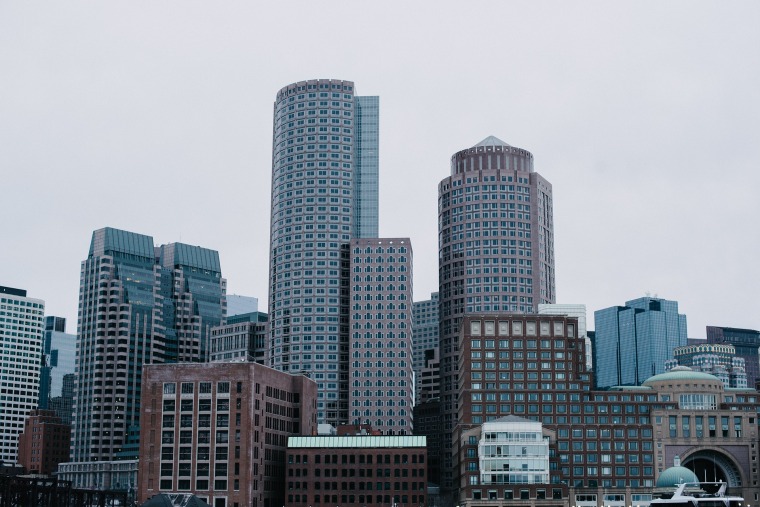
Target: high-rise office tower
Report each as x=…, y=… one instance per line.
x=63, y=405
x=324, y=193
x=381, y=334
x=424, y=338
x=137, y=305
x=197, y=297
x=242, y=338
x=60, y=355
x=496, y=250
x=746, y=342
x=633, y=342
x=21, y=339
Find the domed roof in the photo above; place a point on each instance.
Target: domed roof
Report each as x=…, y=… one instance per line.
x=681, y=373
x=674, y=476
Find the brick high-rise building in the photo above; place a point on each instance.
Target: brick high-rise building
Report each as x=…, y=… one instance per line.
x=496, y=250
x=220, y=431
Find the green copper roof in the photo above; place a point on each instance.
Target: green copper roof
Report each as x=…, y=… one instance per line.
x=681, y=373
x=674, y=476
x=332, y=442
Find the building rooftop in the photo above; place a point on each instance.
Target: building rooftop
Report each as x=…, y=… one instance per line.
x=334, y=442
x=492, y=141
x=681, y=373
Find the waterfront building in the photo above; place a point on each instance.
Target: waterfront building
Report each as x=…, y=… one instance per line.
x=220, y=431
x=611, y=446
x=362, y=471
x=511, y=456
x=496, y=251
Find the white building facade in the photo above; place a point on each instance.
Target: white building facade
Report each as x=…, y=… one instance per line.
x=22, y=327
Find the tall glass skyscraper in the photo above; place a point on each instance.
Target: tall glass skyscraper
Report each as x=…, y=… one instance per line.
x=59, y=358
x=324, y=193
x=633, y=342
x=495, y=251
x=137, y=305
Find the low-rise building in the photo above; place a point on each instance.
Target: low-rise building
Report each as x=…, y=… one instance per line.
x=361, y=471
x=101, y=475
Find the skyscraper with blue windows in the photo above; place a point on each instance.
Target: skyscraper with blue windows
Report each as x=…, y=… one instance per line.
x=324, y=194
x=59, y=349
x=632, y=342
x=138, y=304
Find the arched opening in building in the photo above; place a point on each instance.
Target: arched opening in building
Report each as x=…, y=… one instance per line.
x=714, y=466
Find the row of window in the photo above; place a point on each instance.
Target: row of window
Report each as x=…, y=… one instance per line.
x=354, y=499
x=170, y=388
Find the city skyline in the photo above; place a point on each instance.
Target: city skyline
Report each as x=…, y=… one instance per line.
x=630, y=129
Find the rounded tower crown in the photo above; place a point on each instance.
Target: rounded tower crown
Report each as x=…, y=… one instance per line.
x=491, y=153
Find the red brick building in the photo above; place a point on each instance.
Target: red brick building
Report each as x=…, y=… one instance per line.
x=364, y=471
x=44, y=442
x=220, y=431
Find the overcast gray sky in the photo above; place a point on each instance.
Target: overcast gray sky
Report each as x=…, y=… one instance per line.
x=156, y=117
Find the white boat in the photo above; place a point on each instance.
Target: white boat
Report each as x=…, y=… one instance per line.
x=699, y=494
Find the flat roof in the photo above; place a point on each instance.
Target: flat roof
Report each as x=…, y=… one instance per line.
x=368, y=441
